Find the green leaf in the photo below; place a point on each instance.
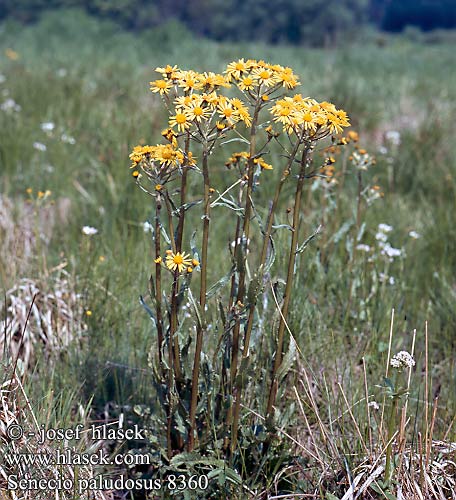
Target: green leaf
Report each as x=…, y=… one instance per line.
x=220, y=283
x=308, y=240
x=287, y=361
x=342, y=231
x=148, y=310
x=197, y=309
x=193, y=458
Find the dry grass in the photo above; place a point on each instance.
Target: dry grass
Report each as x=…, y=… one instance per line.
x=16, y=409
x=45, y=314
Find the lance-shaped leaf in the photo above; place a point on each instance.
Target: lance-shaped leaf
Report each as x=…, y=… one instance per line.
x=197, y=308
x=287, y=361
x=148, y=310
x=186, y=206
x=220, y=283
x=308, y=240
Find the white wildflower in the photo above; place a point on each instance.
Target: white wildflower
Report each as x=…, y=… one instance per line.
x=68, y=139
x=89, y=230
x=384, y=278
x=414, y=235
x=9, y=106
x=382, y=150
x=39, y=146
x=390, y=251
x=61, y=72
x=47, y=126
x=363, y=247
x=402, y=359
x=381, y=236
x=374, y=405
x=385, y=228
x=393, y=136
x=2, y=78
x=148, y=227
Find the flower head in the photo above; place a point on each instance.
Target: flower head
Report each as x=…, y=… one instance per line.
x=161, y=86
x=179, y=261
x=89, y=230
x=401, y=360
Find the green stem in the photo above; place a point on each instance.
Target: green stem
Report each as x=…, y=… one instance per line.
x=241, y=286
x=389, y=449
x=180, y=227
x=289, y=285
x=201, y=327
x=158, y=291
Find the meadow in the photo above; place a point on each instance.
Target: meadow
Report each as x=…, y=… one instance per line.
x=75, y=100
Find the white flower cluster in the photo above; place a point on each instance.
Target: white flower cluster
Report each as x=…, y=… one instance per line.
x=89, y=230
x=402, y=359
x=10, y=106
x=385, y=247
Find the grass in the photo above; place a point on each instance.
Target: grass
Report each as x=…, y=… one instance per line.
x=90, y=79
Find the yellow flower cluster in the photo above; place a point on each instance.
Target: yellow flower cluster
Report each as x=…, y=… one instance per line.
x=249, y=75
x=236, y=158
x=187, y=80
x=196, y=108
x=165, y=154
x=303, y=115
x=178, y=261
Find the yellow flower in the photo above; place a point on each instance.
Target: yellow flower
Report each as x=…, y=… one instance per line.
x=195, y=263
x=262, y=163
x=180, y=120
x=161, y=86
x=101, y=258
x=88, y=312
x=29, y=190
x=177, y=261
x=353, y=136
x=170, y=136
x=135, y=173
x=168, y=71
x=189, y=80
x=189, y=269
x=158, y=260
x=211, y=80
x=247, y=83
x=287, y=78
x=283, y=111
x=11, y=54
x=158, y=187
x=235, y=69
x=227, y=111
x=242, y=110
x=196, y=112
x=265, y=76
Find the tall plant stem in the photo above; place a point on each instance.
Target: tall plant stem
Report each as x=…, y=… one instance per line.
x=158, y=291
x=201, y=326
x=389, y=449
x=173, y=340
x=264, y=251
x=241, y=285
x=289, y=285
x=183, y=193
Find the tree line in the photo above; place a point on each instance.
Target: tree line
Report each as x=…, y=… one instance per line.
x=311, y=22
